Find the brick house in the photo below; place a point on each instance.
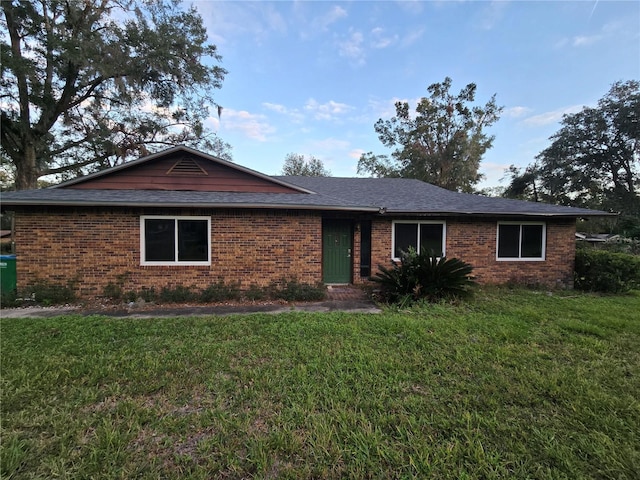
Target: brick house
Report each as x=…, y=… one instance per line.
x=182, y=217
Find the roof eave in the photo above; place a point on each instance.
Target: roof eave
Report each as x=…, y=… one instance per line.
x=225, y=205
x=594, y=213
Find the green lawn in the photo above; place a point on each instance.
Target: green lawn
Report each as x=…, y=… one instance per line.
x=513, y=384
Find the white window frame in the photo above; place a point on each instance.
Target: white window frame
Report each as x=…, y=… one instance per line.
x=418, y=222
x=520, y=258
x=143, y=252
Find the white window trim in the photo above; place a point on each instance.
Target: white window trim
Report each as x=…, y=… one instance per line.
x=176, y=261
x=418, y=222
x=520, y=258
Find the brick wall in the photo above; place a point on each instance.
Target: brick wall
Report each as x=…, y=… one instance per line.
x=256, y=247
x=474, y=241
x=101, y=247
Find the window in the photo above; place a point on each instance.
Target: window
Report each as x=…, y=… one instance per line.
x=521, y=241
x=419, y=235
x=175, y=240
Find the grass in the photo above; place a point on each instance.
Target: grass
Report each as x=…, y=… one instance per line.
x=514, y=384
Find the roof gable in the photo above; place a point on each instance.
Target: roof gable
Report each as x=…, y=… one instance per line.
x=182, y=169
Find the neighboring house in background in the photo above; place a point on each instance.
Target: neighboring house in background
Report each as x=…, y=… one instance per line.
x=182, y=217
x=597, y=237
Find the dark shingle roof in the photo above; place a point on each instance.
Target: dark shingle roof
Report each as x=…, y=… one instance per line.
x=164, y=198
x=390, y=195
x=403, y=195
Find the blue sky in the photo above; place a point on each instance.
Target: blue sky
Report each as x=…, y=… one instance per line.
x=313, y=77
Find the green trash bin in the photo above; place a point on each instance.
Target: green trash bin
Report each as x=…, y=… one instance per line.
x=8, y=277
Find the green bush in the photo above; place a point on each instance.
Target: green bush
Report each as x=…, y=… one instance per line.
x=606, y=272
x=293, y=291
x=45, y=293
x=219, y=292
x=425, y=276
x=255, y=292
x=177, y=294
x=113, y=291
x=9, y=299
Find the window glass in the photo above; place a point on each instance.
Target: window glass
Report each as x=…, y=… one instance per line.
x=431, y=238
x=192, y=241
x=406, y=235
x=509, y=241
x=175, y=240
x=531, y=241
x=159, y=240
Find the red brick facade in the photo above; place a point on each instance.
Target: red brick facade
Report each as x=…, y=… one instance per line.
x=96, y=248
x=474, y=241
x=250, y=247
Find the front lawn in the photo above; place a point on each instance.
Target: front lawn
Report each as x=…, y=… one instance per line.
x=513, y=384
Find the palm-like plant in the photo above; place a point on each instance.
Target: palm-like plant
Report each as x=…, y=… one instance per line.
x=424, y=276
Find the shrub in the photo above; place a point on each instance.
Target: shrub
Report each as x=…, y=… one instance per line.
x=293, y=290
x=146, y=294
x=9, y=299
x=113, y=291
x=424, y=276
x=255, y=292
x=45, y=293
x=219, y=292
x=606, y=272
x=177, y=294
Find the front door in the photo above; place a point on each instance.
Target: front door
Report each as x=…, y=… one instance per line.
x=336, y=251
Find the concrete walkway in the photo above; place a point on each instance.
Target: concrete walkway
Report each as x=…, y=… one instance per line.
x=339, y=298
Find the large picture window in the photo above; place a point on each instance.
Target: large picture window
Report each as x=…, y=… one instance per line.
x=175, y=240
x=429, y=236
x=521, y=241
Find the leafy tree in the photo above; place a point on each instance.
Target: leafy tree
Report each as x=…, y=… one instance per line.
x=442, y=144
x=523, y=183
x=594, y=159
x=87, y=85
x=297, y=165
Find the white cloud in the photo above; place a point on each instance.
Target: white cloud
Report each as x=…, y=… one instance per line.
x=381, y=40
x=356, y=153
x=516, y=112
x=386, y=109
x=411, y=37
x=620, y=31
x=553, y=116
x=228, y=21
x=584, y=40
x=275, y=107
x=330, y=17
x=351, y=48
x=329, y=145
x=326, y=111
x=412, y=6
x=293, y=113
x=492, y=14
x=251, y=125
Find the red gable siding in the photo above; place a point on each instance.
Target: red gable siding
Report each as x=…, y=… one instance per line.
x=197, y=173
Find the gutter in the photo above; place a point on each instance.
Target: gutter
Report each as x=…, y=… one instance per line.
x=381, y=211
x=281, y=206
x=594, y=213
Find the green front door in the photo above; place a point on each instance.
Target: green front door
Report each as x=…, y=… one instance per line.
x=336, y=251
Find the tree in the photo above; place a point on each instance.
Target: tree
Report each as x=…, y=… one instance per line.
x=297, y=165
x=87, y=85
x=523, y=183
x=594, y=159
x=442, y=144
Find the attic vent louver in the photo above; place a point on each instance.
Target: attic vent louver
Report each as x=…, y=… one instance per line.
x=186, y=166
